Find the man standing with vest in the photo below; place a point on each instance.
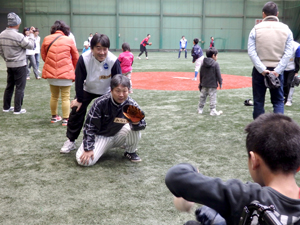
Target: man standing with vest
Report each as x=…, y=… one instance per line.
x=270, y=47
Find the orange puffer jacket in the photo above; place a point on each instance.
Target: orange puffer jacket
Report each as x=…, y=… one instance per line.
x=61, y=59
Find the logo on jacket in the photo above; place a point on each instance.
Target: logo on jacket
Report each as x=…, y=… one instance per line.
x=105, y=66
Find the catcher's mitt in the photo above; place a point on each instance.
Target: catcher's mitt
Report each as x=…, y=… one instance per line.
x=150, y=43
x=271, y=81
x=296, y=81
x=133, y=113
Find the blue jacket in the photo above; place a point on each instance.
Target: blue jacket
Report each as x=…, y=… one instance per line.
x=196, y=52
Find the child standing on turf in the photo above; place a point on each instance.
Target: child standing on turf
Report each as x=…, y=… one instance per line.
x=210, y=76
x=198, y=57
x=272, y=142
x=126, y=60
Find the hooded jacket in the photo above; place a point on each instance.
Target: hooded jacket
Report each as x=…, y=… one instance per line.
x=210, y=74
x=61, y=59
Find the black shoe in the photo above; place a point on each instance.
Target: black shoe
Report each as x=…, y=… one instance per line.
x=133, y=157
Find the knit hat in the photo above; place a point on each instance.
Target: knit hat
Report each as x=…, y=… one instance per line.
x=13, y=19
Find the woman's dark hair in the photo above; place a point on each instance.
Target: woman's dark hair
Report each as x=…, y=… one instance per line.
x=25, y=29
x=270, y=9
x=126, y=47
x=100, y=38
x=60, y=25
x=119, y=79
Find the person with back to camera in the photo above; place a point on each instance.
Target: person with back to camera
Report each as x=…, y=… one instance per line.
x=182, y=46
x=198, y=57
x=86, y=47
x=143, y=46
x=58, y=49
x=30, y=56
x=106, y=126
x=210, y=77
x=13, y=47
x=269, y=58
x=93, y=74
x=272, y=142
x=126, y=59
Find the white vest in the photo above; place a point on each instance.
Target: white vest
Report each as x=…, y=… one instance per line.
x=98, y=73
x=271, y=36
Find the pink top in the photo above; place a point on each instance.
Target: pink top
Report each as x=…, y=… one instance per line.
x=126, y=60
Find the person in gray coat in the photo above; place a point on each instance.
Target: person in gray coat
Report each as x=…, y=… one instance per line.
x=13, y=47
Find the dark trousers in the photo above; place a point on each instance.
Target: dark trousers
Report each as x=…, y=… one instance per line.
x=288, y=78
x=259, y=92
x=143, y=49
x=76, y=119
x=16, y=77
x=180, y=52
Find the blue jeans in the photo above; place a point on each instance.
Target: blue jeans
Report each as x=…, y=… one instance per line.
x=180, y=52
x=259, y=94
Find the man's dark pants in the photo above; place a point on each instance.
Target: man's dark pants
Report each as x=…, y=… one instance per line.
x=259, y=93
x=16, y=77
x=76, y=119
x=288, y=79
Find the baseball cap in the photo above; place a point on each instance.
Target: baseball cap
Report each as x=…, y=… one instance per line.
x=85, y=43
x=13, y=19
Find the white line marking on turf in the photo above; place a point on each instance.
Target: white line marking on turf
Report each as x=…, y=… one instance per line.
x=182, y=78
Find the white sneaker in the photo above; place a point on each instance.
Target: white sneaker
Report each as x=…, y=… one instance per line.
x=21, y=111
x=214, y=112
x=195, y=78
x=68, y=146
x=200, y=110
x=146, y=57
x=8, y=110
x=288, y=103
x=139, y=57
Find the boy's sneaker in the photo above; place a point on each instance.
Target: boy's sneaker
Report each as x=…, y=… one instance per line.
x=38, y=78
x=195, y=78
x=68, y=146
x=56, y=119
x=133, y=157
x=28, y=78
x=8, y=110
x=288, y=103
x=200, y=110
x=214, y=112
x=139, y=57
x=21, y=111
x=146, y=57
x=64, y=122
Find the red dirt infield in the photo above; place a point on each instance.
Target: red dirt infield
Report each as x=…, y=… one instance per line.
x=182, y=81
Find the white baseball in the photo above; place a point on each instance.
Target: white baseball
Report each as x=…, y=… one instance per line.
x=183, y=205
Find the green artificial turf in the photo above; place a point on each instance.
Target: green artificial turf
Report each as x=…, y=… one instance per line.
x=41, y=186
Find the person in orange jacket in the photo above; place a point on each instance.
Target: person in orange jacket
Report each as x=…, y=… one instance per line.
x=60, y=55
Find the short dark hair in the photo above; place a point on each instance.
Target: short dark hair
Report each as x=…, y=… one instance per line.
x=25, y=29
x=119, y=79
x=126, y=47
x=100, y=38
x=270, y=9
x=60, y=25
x=275, y=138
x=148, y=35
x=196, y=40
x=211, y=51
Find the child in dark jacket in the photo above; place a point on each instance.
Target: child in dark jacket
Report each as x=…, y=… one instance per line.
x=210, y=77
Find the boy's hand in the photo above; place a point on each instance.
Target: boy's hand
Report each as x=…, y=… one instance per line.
x=183, y=205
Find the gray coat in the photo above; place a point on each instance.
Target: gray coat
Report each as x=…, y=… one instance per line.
x=210, y=74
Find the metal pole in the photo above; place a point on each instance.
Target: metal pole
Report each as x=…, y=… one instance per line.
x=203, y=24
x=244, y=25
x=117, y=25
x=161, y=25
x=71, y=15
x=23, y=13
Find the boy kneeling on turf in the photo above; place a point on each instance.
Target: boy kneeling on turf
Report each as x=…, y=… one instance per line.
x=273, y=147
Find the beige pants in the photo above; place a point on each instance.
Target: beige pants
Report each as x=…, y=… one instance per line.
x=65, y=100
